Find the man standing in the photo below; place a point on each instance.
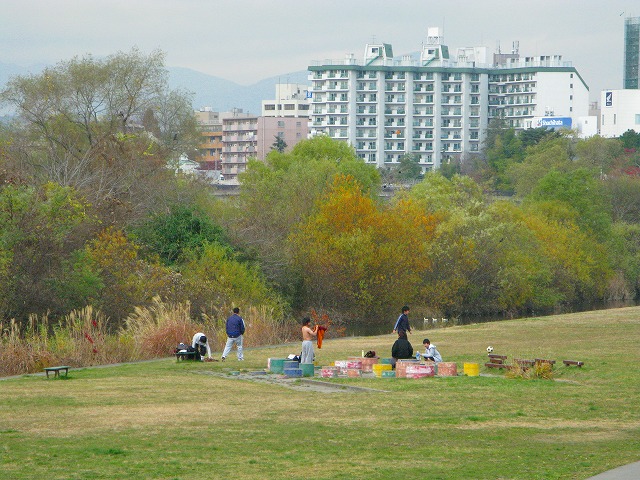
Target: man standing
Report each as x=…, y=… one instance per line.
x=403, y=321
x=235, y=331
x=308, y=335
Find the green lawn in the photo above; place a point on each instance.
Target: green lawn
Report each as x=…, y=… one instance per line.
x=170, y=420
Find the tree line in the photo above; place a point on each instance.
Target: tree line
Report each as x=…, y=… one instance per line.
x=91, y=214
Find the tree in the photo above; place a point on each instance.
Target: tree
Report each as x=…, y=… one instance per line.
x=630, y=139
x=280, y=193
x=81, y=124
x=550, y=154
x=580, y=191
x=128, y=280
x=532, y=136
x=505, y=150
x=409, y=167
x=598, y=153
x=183, y=229
x=279, y=145
x=40, y=227
x=359, y=259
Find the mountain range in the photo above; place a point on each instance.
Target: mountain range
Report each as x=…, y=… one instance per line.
x=208, y=91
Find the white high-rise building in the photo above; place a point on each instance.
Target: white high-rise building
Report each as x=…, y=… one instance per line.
x=436, y=106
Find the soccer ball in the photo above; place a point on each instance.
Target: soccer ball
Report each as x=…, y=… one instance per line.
x=489, y=349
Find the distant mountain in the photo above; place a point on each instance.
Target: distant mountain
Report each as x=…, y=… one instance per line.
x=208, y=91
x=223, y=95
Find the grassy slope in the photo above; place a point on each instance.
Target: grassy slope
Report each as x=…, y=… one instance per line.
x=167, y=420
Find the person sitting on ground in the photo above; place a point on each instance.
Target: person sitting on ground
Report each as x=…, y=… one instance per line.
x=431, y=352
x=201, y=344
x=401, y=348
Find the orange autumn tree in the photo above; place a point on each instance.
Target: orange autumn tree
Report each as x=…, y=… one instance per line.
x=359, y=258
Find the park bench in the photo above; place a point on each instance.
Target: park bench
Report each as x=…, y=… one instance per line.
x=496, y=365
x=573, y=362
x=56, y=370
x=544, y=360
x=524, y=363
x=493, y=358
x=185, y=356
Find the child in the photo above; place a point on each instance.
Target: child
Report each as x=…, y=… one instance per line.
x=431, y=352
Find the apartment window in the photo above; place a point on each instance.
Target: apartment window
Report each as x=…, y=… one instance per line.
x=614, y=118
x=298, y=124
x=289, y=106
x=280, y=124
x=270, y=107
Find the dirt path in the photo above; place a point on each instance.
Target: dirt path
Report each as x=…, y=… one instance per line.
x=300, y=384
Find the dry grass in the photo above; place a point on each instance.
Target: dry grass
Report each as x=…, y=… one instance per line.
x=81, y=338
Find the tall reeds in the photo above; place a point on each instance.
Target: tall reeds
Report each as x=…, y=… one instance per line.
x=82, y=337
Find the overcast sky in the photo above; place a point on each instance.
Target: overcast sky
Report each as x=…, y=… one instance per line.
x=248, y=40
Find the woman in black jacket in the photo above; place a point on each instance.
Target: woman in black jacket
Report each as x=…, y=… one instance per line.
x=401, y=348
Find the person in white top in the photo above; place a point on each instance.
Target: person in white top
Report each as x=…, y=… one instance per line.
x=431, y=352
x=201, y=344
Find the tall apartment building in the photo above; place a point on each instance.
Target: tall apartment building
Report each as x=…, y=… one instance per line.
x=631, y=53
x=240, y=142
x=210, y=150
x=435, y=106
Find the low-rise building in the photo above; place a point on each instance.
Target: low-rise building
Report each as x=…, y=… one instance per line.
x=619, y=112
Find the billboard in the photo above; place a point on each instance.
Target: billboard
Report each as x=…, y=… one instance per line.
x=554, y=123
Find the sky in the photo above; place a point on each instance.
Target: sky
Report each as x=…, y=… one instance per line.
x=246, y=41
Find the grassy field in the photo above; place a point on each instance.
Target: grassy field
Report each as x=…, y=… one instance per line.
x=168, y=420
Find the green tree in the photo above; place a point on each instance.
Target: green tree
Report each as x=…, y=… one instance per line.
x=409, y=167
x=39, y=229
x=183, y=229
x=578, y=190
x=279, y=145
x=216, y=278
x=532, y=136
x=505, y=150
x=630, y=139
x=551, y=154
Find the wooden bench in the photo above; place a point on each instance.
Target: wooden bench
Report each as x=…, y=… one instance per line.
x=497, y=358
x=544, y=360
x=56, y=370
x=497, y=365
x=573, y=362
x=524, y=363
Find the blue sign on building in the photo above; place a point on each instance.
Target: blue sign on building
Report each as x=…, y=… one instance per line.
x=608, y=99
x=554, y=123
